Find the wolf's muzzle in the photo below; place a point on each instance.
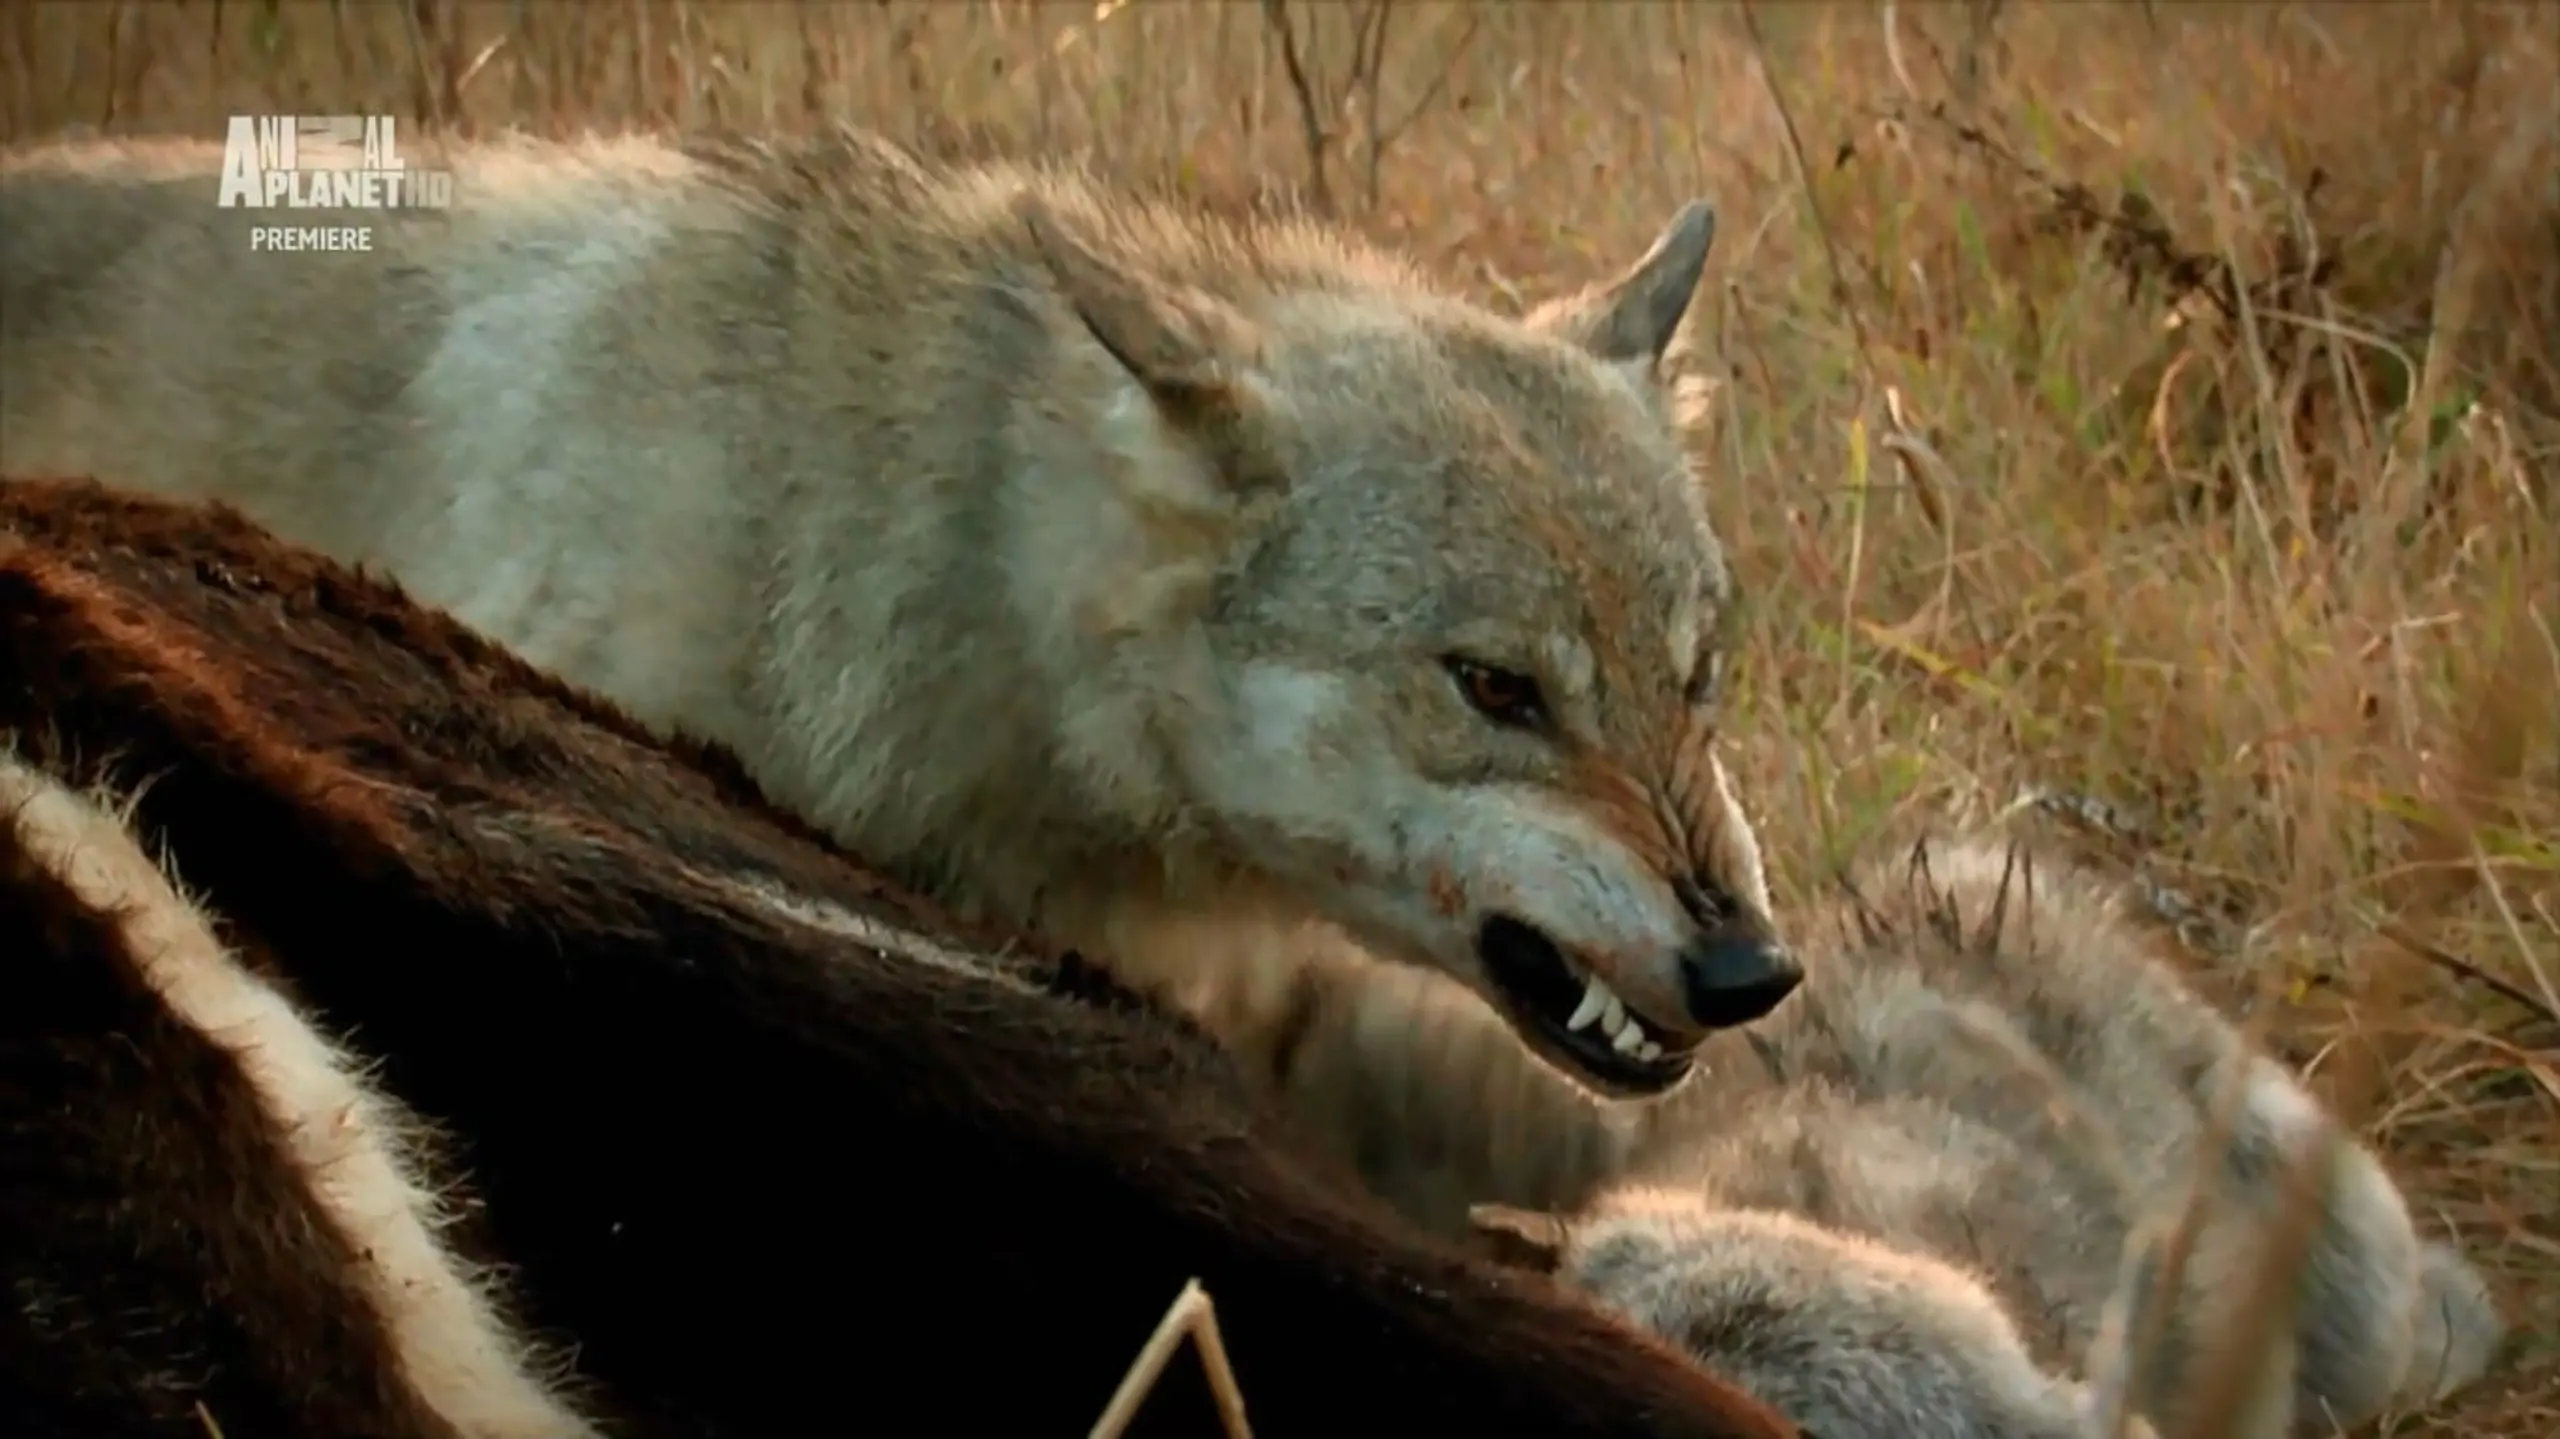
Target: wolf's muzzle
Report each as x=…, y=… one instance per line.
x=1735, y=973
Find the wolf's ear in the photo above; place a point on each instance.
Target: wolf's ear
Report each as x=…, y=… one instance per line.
x=1192, y=353
x=1519, y=1238
x=1630, y=320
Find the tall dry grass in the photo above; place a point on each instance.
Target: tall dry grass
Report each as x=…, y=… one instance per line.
x=2160, y=403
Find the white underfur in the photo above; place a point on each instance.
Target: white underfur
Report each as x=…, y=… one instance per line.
x=891, y=942
x=348, y=1141
x=2293, y=1118
x=1684, y=635
x=1745, y=871
x=1570, y=661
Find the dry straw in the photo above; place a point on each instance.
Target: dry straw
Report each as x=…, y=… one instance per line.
x=1191, y=1316
x=2216, y=349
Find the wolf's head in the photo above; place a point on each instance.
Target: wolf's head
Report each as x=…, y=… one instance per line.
x=1451, y=623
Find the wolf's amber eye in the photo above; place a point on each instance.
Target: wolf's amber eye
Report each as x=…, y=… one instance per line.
x=1505, y=697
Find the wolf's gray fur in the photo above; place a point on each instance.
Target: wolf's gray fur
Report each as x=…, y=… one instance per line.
x=1171, y=587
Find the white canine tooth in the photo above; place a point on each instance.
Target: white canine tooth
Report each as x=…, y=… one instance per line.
x=1595, y=998
x=1629, y=1040
x=1613, y=1019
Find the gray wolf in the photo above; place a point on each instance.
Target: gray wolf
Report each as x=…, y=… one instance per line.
x=1163, y=585
x=1979, y=1121
x=397, y=1041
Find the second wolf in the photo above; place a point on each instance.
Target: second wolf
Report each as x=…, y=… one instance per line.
x=1183, y=590
x=1929, y=1195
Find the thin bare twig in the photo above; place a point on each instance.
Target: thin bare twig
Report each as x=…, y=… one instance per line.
x=1804, y=177
x=1190, y=1316
x=437, y=98
x=115, y=63
x=1368, y=67
x=1275, y=14
x=1982, y=23
x=1932, y=505
x=2464, y=969
x=2245, y=1335
x=1369, y=51
x=1381, y=136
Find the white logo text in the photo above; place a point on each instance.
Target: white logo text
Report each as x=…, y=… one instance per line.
x=324, y=162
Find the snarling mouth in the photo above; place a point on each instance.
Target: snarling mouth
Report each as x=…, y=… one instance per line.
x=1578, y=1018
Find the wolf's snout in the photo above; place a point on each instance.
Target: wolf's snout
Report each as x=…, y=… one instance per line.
x=1736, y=973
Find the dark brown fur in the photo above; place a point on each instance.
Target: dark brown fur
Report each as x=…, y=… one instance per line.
x=110, y=1097
x=750, y=1178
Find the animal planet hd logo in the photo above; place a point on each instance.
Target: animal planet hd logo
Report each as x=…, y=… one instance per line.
x=322, y=162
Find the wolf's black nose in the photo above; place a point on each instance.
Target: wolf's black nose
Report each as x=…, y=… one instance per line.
x=1735, y=974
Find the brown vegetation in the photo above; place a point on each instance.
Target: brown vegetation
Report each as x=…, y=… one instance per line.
x=2156, y=402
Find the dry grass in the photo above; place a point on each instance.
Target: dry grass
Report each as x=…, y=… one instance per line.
x=2161, y=403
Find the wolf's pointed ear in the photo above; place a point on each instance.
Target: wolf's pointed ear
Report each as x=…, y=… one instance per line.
x=1192, y=353
x=1631, y=319
x=1519, y=1238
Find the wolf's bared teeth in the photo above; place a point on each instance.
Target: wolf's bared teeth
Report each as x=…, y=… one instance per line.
x=1595, y=998
x=1628, y=1041
x=1648, y=1051
x=1613, y=1018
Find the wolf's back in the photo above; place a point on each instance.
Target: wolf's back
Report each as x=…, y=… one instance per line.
x=78, y=215
x=142, y=335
